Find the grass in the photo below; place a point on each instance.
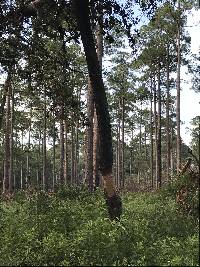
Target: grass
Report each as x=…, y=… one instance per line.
x=71, y=228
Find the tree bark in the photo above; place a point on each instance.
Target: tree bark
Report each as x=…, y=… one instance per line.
x=62, y=156
x=140, y=144
x=66, y=153
x=11, y=181
x=3, y=101
x=54, y=152
x=99, y=41
x=159, y=166
x=21, y=171
x=76, y=152
x=28, y=152
x=156, y=126
x=45, y=181
x=89, y=152
x=151, y=135
x=72, y=153
x=103, y=118
x=178, y=82
x=167, y=118
x=7, y=140
x=119, y=147
x=122, y=165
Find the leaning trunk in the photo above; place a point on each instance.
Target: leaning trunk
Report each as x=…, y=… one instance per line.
x=103, y=118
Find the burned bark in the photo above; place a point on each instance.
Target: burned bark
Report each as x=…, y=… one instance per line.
x=81, y=9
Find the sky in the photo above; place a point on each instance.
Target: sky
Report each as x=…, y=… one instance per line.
x=190, y=101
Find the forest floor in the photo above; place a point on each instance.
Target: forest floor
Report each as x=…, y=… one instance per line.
x=71, y=227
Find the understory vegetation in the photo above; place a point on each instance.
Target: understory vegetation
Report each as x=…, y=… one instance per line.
x=70, y=227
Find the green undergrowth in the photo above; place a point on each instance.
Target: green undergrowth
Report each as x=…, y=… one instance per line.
x=71, y=228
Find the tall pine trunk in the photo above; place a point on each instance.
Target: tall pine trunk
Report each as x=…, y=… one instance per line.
x=99, y=41
x=72, y=152
x=44, y=174
x=21, y=170
x=7, y=141
x=66, y=153
x=11, y=180
x=62, y=147
x=54, y=153
x=28, y=150
x=89, y=151
x=122, y=165
x=167, y=118
x=151, y=136
x=178, y=81
x=159, y=163
x=156, y=127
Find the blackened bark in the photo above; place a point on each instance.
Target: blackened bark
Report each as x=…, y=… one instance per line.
x=105, y=150
x=105, y=139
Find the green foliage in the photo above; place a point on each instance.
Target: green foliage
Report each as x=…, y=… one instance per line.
x=70, y=228
x=185, y=189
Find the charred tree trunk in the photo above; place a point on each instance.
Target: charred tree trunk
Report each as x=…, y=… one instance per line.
x=103, y=118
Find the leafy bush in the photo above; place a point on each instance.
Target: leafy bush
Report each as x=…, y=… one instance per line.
x=71, y=228
x=185, y=189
